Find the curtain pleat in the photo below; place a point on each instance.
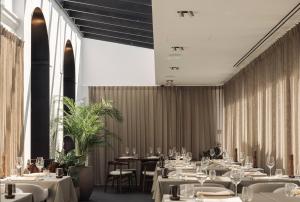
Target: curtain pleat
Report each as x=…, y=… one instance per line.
x=159, y=117
x=11, y=100
x=262, y=104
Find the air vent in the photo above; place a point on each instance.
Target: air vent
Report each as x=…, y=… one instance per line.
x=177, y=48
x=185, y=13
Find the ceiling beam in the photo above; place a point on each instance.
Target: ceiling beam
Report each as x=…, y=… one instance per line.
x=118, y=6
x=100, y=11
x=117, y=40
x=109, y=20
x=116, y=35
x=127, y=30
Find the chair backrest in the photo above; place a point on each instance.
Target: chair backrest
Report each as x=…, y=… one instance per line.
x=114, y=165
x=266, y=187
x=149, y=165
x=38, y=192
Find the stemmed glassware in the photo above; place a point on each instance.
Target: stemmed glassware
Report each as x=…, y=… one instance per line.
x=134, y=151
x=270, y=163
x=212, y=174
x=247, y=194
x=127, y=151
x=212, y=153
x=171, y=153
x=202, y=177
x=236, y=177
x=242, y=157
x=39, y=163
x=20, y=163
x=158, y=150
x=189, y=157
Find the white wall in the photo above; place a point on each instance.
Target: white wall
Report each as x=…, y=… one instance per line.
x=112, y=64
x=60, y=29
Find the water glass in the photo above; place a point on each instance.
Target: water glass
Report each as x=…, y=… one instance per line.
x=133, y=151
x=212, y=152
x=187, y=191
x=248, y=162
x=247, y=194
x=212, y=174
x=242, y=157
x=278, y=172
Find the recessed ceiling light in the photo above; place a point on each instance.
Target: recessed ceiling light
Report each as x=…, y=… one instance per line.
x=174, y=68
x=169, y=82
x=177, y=48
x=185, y=13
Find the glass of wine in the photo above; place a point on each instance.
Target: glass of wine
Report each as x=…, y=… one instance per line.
x=236, y=177
x=39, y=163
x=270, y=163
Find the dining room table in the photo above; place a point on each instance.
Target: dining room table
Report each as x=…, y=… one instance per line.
x=60, y=189
x=19, y=197
x=257, y=197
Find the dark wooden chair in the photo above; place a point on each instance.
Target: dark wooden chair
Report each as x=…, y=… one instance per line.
x=116, y=172
x=133, y=170
x=147, y=173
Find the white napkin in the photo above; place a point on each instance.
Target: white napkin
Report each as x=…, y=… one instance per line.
x=34, y=175
x=232, y=199
x=23, y=178
x=218, y=193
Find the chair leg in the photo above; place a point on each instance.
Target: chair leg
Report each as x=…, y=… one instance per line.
x=135, y=177
x=144, y=181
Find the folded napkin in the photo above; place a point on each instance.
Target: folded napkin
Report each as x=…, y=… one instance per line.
x=217, y=193
x=255, y=174
x=152, y=157
x=231, y=199
x=34, y=175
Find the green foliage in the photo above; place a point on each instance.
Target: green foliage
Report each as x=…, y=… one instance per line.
x=85, y=123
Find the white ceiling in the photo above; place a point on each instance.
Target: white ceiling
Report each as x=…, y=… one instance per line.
x=219, y=34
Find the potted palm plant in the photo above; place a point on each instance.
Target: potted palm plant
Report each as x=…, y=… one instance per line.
x=85, y=124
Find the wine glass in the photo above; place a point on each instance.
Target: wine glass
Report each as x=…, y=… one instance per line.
x=134, y=151
x=151, y=151
x=20, y=163
x=170, y=153
x=39, y=163
x=236, y=177
x=158, y=150
x=212, y=152
x=270, y=163
x=242, y=157
x=247, y=194
x=189, y=157
x=212, y=174
x=202, y=177
x=248, y=162
x=127, y=151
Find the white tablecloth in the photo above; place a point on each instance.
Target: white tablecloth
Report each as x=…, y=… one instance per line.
x=19, y=197
x=260, y=197
x=60, y=189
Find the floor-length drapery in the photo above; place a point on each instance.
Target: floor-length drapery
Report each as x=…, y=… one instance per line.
x=262, y=104
x=11, y=100
x=160, y=117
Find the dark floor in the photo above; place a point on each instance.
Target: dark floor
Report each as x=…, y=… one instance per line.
x=111, y=196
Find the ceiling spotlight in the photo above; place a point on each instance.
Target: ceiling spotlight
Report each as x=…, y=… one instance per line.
x=177, y=48
x=170, y=83
x=184, y=13
x=174, y=68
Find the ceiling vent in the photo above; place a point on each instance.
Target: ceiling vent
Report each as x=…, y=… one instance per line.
x=185, y=13
x=177, y=48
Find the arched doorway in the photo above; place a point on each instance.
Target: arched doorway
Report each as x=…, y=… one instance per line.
x=39, y=86
x=69, y=71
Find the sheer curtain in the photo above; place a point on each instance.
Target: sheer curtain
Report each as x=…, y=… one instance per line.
x=160, y=117
x=262, y=104
x=11, y=100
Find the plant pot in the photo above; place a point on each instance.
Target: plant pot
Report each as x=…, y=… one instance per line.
x=83, y=178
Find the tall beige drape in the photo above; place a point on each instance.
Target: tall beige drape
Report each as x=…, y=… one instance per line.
x=11, y=100
x=262, y=104
x=160, y=117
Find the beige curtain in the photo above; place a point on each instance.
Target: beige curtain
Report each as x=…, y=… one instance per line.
x=160, y=117
x=262, y=104
x=11, y=100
